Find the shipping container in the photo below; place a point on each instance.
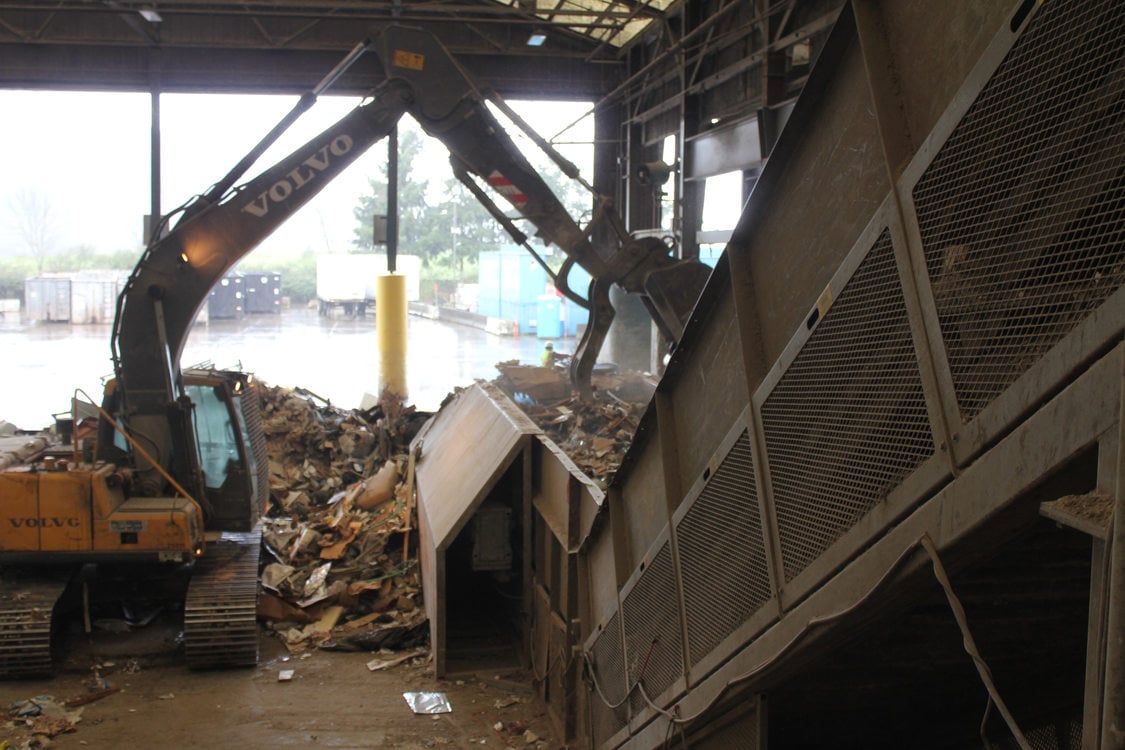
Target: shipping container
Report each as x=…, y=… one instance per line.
x=262, y=292
x=47, y=299
x=511, y=282
x=93, y=296
x=227, y=300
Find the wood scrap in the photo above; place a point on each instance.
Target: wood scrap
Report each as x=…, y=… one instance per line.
x=337, y=500
x=595, y=433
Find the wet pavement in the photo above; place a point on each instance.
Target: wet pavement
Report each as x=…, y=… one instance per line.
x=336, y=358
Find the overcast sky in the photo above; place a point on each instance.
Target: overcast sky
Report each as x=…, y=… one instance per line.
x=89, y=155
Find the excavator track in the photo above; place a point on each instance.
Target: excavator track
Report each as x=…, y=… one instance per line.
x=27, y=604
x=220, y=612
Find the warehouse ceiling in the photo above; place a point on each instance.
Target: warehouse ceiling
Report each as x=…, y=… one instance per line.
x=281, y=45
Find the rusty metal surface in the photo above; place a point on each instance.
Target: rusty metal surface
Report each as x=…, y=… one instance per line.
x=720, y=385
x=220, y=612
x=609, y=706
x=27, y=604
x=726, y=576
x=652, y=627
x=967, y=507
x=928, y=76
x=833, y=182
x=847, y=420
x=998, y=247
x=1021, y=210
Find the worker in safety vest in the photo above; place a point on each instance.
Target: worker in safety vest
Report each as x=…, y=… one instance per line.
x=549, y=355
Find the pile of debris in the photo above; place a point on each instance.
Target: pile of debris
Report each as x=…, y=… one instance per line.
x=33, y=722
x=595, y=433
x=339, y=522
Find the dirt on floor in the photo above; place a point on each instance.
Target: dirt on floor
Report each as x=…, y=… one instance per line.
x=133, y=690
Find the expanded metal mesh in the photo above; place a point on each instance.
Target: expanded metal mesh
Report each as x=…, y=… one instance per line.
x=847, y=421
x=1022, y=212
x=609, y=670
x=653, y=637
x=722, y=553
x=1064, y=734
x=250, y=405
x=558, y=669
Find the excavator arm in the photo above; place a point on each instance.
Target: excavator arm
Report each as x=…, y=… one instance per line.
x=172, y=281
x=176, y=273
x=449, y=107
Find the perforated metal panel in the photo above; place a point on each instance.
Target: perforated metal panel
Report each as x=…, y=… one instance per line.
x=653, y=637
x=847, y=421
x=609, y=669
x=722, y=553
x=1022, y=212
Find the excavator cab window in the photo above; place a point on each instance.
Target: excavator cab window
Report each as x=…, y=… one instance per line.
x=218, y=442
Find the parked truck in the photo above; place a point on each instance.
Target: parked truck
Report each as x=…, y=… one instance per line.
x=346, y=281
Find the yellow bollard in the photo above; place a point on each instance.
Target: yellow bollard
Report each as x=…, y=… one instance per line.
x=390, y=332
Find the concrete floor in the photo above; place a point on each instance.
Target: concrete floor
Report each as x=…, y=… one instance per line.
x=333, y=700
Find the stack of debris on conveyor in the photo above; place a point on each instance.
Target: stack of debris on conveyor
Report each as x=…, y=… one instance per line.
x=595, y=433
x=339, y=572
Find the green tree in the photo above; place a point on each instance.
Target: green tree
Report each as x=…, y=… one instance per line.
x=411, y=197
x=446, y=225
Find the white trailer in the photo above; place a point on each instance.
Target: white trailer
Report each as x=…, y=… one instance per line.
x=346, y=281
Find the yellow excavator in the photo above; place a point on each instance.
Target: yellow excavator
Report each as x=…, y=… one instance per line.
x=177, y=474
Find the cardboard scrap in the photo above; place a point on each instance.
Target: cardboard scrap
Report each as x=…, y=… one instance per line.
x=388, y=660
x=338, y=501
x=595, y=433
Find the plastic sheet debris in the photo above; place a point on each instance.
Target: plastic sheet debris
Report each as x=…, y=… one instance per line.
x=285, y=675
x=40, y=716
x=428, y=703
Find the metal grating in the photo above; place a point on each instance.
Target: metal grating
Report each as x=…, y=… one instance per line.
x=847, y=421
x=1022, y=212
x=609, y=670
x=252, y=415
x=653, y=638
x=722, y=553
x=1065, y=734
x=558, y=670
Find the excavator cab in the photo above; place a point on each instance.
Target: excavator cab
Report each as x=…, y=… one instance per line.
x=235, y=471
x=229, y=452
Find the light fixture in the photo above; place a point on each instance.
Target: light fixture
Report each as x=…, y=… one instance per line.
x=536, y=39
x=150, y=15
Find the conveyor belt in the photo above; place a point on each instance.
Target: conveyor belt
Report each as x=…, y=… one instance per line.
x=220, y=613
x=26, y=607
